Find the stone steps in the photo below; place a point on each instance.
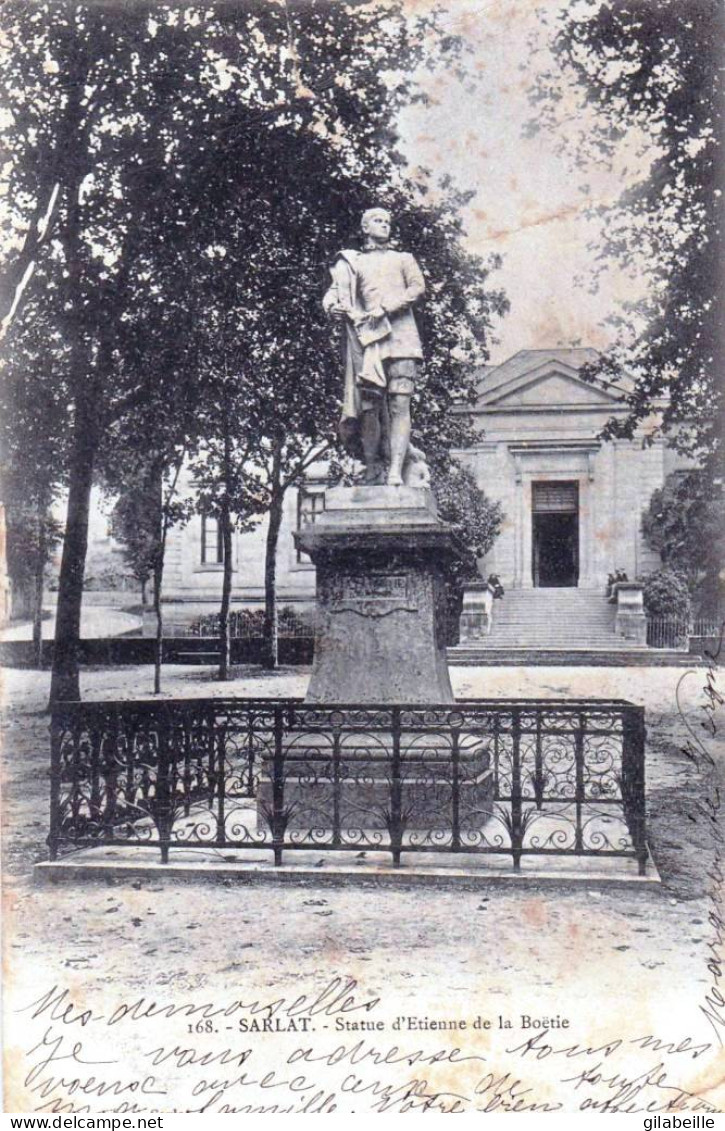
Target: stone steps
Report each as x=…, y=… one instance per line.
x=559, y=626
x=546, y=640
x=464, y=656
x=552, y=619
x=550, y=626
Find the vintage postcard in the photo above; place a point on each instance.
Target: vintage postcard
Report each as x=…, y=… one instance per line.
x=362, y=492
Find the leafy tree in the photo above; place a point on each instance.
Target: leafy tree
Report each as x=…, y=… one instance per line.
x=666, y=594
x=138, y=135
x=684, y=523
x=281, y=349
x=102, y=101
x=226, y=483
x=135, y=526
x=172, y=510
x=75, y=132
x=32, y=534
x=151, y=494
x=476, y=521
x=33, y=457
x=655, y=70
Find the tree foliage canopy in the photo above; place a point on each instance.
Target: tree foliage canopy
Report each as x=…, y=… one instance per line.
x=474, y=517
x=172, y=166
x=655, y=70
x=665, y=594
x=684, y=523
x=149, y=143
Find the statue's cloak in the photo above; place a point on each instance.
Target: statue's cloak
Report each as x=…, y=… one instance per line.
x=362, y=363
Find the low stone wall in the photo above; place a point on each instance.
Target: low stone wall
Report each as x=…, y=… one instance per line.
x=709, y=647
x=140, y=650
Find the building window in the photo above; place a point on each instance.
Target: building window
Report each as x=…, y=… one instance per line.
x=310, y=503
x=212, y=546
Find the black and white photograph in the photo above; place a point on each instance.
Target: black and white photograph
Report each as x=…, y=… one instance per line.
x=362, y=558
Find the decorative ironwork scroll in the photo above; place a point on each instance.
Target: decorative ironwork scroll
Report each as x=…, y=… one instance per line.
x=481, y=776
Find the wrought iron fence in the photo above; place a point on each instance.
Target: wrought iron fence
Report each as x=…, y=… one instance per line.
x=711, y=628
x=249, y=625
x=516, y=777
x=675, y=632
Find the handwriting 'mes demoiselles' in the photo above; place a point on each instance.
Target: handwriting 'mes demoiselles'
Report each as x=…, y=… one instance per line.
x=337, y=997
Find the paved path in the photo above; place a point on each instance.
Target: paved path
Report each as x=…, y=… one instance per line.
x=95, y=621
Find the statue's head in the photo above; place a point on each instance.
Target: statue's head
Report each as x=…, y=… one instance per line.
x=375, y=224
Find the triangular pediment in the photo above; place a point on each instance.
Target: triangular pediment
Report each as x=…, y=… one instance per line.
x=546, y=382
x=551, y=390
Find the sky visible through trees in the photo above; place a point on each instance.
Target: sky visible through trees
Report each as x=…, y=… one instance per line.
x=146, y=141
x=529, y=206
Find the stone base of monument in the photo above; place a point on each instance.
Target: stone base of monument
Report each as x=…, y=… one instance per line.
x=357, y=792
x=381, y=632
x=380, y=554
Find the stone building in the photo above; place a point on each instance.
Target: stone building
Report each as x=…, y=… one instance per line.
x=573, y=503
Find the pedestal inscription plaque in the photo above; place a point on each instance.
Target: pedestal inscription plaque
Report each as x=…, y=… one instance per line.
x=371, y=595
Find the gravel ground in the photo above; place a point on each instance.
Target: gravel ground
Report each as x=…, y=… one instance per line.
x=623, y=966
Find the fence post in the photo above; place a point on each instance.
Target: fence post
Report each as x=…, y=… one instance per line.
x=98, y=738
x=278, y=821
x=456, y=798
x=110, y=772
x=538, y=766
x=185, y=729
x=633, y=780
x=396, y=798
x=163, y=807
x=250, y=752
x=336, y=786
x=221, y=754
x=56, y=738
x=579, y=786
x=517, y=831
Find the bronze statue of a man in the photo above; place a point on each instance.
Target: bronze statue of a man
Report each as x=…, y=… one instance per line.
x=373, y=292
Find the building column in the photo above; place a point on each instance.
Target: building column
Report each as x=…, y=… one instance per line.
x=586, y=527
x=527, y=534
x=518, y=525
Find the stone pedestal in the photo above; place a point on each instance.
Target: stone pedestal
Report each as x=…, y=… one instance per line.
x=380, y=554
x=475, y=621
x=353, y=796
x=630, y=622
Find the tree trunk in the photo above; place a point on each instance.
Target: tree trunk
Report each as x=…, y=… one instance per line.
x=65, y=682
x=159, y=641
x=158, y=578
x=271, y=644
x=225, y=526
x=225, y=639
x=38, y=590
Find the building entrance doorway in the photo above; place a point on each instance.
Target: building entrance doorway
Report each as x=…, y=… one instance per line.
x=555, y=541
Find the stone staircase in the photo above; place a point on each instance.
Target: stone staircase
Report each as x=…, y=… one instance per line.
x=554, y=618
x=558, y=626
